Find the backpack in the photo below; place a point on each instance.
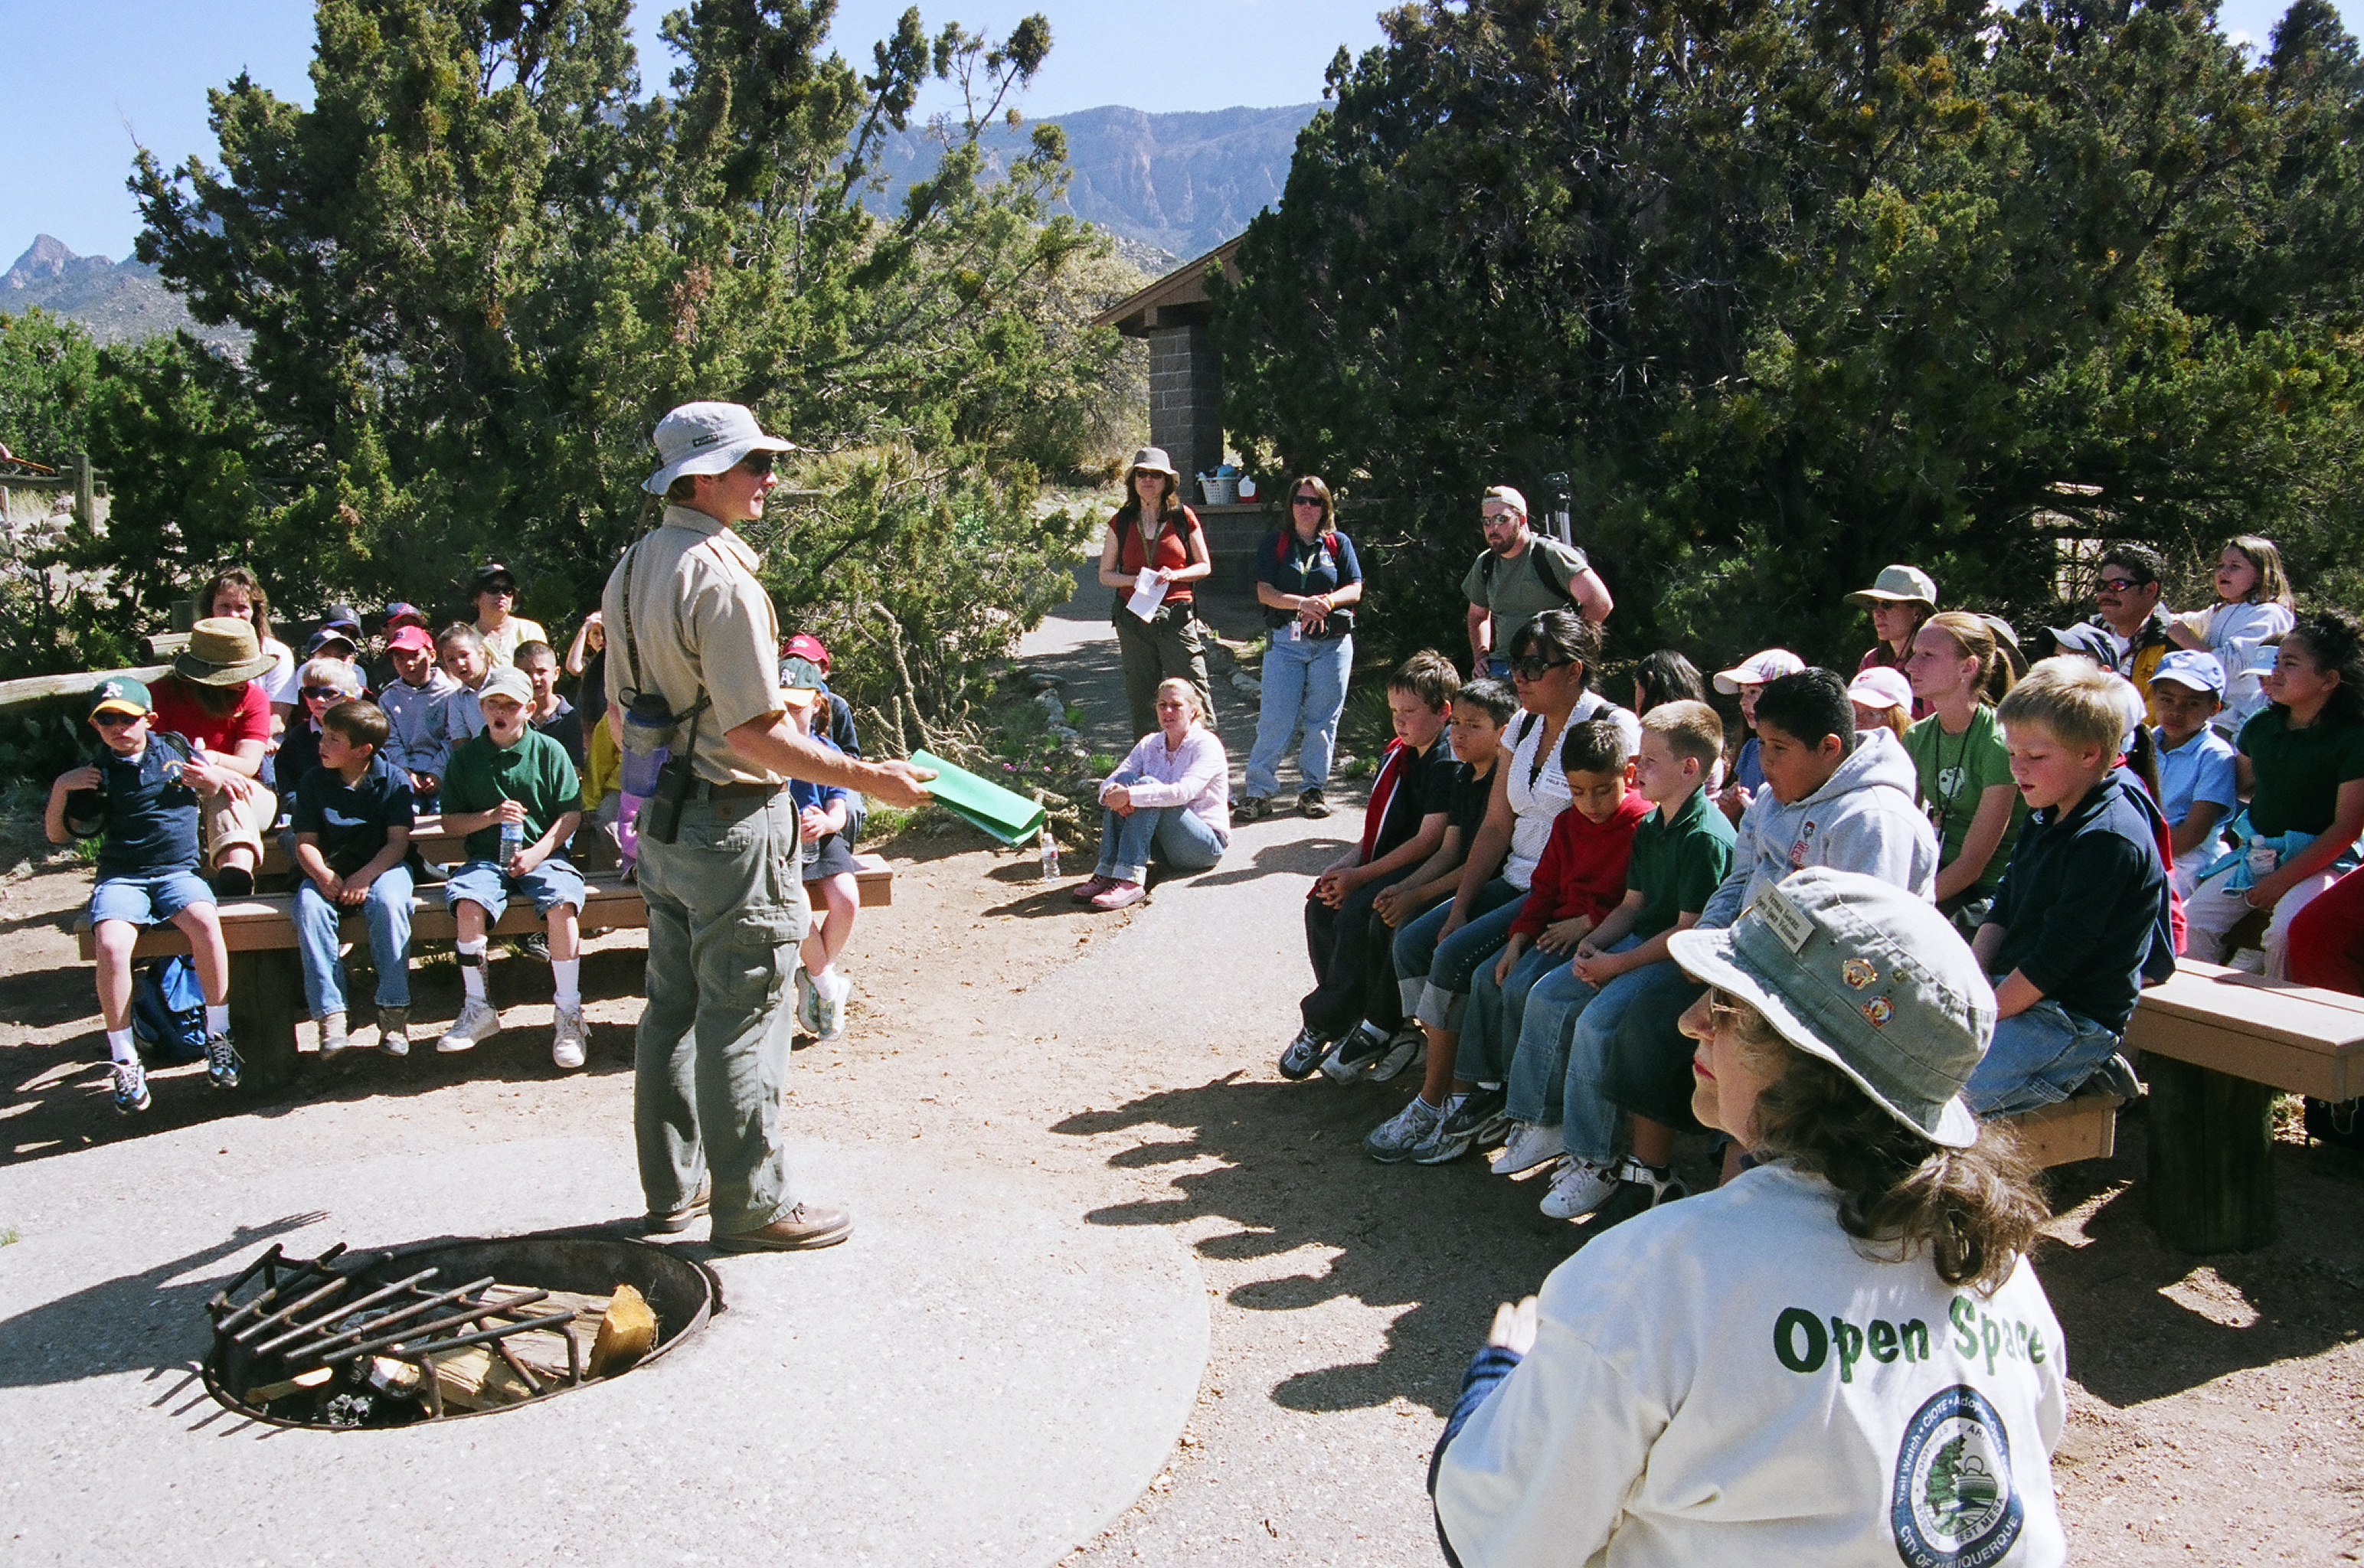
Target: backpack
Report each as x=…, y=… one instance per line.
x=168, y=1010
x=1536, y=559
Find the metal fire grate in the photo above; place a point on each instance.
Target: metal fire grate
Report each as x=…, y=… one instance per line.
x=445, y=1328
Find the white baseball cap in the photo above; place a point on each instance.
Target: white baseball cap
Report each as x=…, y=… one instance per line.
x=1881, y=686
x=1507, y=495
x=1757, y=669
x=708, y=438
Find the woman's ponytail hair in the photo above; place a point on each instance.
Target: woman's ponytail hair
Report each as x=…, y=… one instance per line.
x=1974, y=639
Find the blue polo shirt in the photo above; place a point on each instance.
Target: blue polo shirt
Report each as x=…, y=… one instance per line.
x=353, y=818
x=2201, y=769
x=151, y=816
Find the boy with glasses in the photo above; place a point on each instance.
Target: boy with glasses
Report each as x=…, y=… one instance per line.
x=1519, y=575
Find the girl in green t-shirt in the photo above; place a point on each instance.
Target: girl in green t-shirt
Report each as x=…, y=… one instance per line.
x=1966, y=787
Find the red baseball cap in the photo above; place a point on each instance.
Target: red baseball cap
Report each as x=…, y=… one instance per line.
x=805, y=646
x=411, y=637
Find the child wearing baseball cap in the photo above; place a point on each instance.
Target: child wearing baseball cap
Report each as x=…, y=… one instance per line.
x=825, y=818
x=418, y=708
x=134, y=801
x=2199, y=789
x=1746, y=680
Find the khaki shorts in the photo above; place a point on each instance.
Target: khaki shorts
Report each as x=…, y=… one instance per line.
x=230, y=821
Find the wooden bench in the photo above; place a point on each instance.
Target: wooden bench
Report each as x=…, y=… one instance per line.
x=2084, y=1128
x=266, y=977
x=2217, y=1046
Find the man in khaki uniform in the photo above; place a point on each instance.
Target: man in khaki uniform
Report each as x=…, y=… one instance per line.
x=726, y=905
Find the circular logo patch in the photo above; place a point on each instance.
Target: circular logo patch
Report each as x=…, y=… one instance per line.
x=1952, y=1505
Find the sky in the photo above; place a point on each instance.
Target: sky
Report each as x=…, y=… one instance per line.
x=91, y=79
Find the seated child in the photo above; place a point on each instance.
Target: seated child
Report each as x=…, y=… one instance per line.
x=1402, y=826
x=321, y=684
x=466, y=662
x=1832, y=797
x=2198, y=770
x=1747, y=678
x=2253, y=610
x=2302, y=759
x=603, y=799
x=551, y=715
x=353, y=814
x=416, y=703
x=1381, y=1048
x=1578, y=882
x=146, y=875
x=1681, y=854
x=824, y=814
x=510, y=776
x=2082, y=917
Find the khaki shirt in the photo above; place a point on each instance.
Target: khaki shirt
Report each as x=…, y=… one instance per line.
x=701, y=622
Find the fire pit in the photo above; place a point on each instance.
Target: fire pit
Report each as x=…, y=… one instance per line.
x=445, y=1328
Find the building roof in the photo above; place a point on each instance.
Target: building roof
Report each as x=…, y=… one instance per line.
x=1178, y=298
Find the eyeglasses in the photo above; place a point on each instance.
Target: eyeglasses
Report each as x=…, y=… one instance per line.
x=1307, y=500
x=322, y=694
x=758, y=463
x=2117, y=585
x=1535, y=668
x=1722, y=1009
x=114, y=719
x=1489, y=519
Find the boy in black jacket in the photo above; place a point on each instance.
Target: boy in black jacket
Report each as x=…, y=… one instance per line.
x=2083, y=917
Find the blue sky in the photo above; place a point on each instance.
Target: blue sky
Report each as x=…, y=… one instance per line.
x=89, y=76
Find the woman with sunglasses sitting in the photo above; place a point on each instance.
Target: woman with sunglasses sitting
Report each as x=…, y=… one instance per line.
x=1307, y=580
x=1841, y=1356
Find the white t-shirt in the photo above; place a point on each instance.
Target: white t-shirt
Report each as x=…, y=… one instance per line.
x=1536, y=805
x=279, y=683
x=2236, y=634
x=1727, y=1380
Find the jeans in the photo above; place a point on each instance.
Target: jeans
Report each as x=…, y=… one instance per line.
x=1166, y=647
x=1435, y=974
x=726, y=912
x=1490, y=1025
x=1304, y=683
x=385, y=909
x=2038, y=1057
x=1539, y=1061
x=1175, y=834
x=1352, y=978
x=1648, y=1068
x=486, y=885
x=148, y=900
x=1587, y=1115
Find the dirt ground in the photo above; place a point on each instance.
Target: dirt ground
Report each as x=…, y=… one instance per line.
x=2218, y=1406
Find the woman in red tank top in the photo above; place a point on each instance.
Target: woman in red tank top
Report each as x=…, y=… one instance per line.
x=1153, y=529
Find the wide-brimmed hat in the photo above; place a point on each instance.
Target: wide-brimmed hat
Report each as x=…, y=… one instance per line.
x=1757, y=669
x=1154, y=461
x=122, y=694
x=708, y=438
x=1897, y=586
x=1867, y=976
x=1881, y=686
x=223, y=652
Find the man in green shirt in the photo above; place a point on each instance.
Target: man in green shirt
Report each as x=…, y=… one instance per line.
x=1519, y=575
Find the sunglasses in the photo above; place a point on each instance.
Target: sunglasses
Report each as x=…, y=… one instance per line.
x=322, y=694
x=758, y=463
x=2117, y=585
x=115, y=719
x=1307, y=500
x=1489, y=519
x=1533, y=668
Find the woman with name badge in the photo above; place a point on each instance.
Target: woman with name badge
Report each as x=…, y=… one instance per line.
x=1840, y=1357
x=1306, y=580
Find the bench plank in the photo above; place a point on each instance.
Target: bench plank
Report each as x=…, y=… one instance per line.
x=2085, y=1128
x=2294, y=1038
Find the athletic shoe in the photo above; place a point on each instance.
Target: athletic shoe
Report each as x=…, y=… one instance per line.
x=1091, y=887
x=1120, y=896
x=1303, y=1055
x=566, y=1038
x=1311, y=803
x=1578, y=1187
x=808, y=1000
x=332, y=1034
x=831, y=993
x=222, y=1060
x=1252, y=808
x=1465, y=1116
x=130, y=1087
x=1639, y=1190
x=1405, y=1048
x=535, y=946
x=476, y=1022
x=1353, y=1056
x=394, y=1030
x=1394, y=1140
x=1529, y=1146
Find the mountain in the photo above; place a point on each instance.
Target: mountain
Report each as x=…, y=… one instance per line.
x=118, y=301
x=1180, y=184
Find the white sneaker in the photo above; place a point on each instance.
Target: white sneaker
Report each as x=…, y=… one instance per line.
x=830, y=992
x=1529, y=1146
x=806, y=998
x=566, y=1043
x=333, y=1038
x=477, y=1021
x=1578, y=1187
x=1395, y=1139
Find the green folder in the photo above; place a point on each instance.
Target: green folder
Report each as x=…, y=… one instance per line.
x=1011, y=818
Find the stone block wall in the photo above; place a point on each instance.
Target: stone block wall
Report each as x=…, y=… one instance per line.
x=1185, y=401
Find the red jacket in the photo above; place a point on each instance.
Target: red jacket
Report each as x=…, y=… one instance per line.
x=1583, y=867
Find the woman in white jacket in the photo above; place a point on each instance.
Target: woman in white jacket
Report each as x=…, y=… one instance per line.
x=1840, y=1358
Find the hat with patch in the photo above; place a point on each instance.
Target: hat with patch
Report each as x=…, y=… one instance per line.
x=2191, y=667
x=1757, y=669
x=1881, y=686
x=1867, y=976
x=708, y=438
x=344, y=617
x=122, y=694
x=507, y=681
x=1897, y=586
x=410, y=639
x=327, y=637
x=800, y=682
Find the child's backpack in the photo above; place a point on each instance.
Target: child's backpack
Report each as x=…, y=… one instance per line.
x=168, y=1010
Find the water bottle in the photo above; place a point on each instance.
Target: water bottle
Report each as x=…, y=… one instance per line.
x=2263, y=858
x=649, y=730
x=1050, y=855
x=512, y=841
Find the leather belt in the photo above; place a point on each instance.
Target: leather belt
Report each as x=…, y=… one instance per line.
x=701, y=790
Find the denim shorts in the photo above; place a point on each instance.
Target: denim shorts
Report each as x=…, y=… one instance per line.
x=548, y=885
x=148, y=900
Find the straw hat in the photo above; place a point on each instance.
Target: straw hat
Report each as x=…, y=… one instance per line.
x=223, y=652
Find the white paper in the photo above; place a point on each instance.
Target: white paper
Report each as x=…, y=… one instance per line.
x=1148, y=592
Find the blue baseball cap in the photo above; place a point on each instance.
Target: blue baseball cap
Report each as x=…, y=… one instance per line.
x=2190, y=667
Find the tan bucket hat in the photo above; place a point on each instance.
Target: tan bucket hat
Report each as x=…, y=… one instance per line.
x=223, y=652
x=1155, y=460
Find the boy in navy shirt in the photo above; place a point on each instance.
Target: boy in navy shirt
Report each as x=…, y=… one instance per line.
x=354, y=813
x=146, y=875
x=2082, y=918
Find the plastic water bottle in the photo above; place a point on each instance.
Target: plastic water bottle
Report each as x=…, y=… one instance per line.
x=1050, y=855
x=512, y=841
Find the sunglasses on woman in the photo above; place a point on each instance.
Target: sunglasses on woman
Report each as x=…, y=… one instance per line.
x=1313, y=501
x=1535, y=667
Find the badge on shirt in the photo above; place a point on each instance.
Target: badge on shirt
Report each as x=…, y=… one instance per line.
x=1952, y=1502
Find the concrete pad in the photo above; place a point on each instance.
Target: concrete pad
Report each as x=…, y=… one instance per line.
x=977, y=1377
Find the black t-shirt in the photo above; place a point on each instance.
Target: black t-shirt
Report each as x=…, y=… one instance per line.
x=565, y=727
x=1426, y=788
x=151, y=816
x=352, y=819
x=299, y=753
x=1472, y=793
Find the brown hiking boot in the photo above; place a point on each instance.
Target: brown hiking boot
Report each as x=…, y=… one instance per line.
x=680, y=1219
x=800, y=1229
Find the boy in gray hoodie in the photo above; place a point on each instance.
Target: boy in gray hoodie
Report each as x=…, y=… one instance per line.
x=1832, y=797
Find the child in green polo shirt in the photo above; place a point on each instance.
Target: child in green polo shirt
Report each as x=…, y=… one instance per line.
x=513, y=783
